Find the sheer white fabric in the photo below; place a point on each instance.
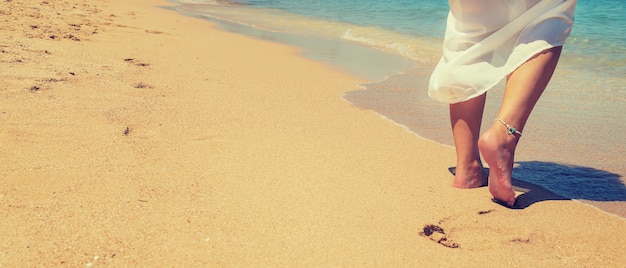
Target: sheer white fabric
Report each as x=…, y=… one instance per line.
x=488, y=39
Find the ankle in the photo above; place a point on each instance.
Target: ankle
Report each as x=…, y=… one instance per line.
x=497, y=137
x=469, y=166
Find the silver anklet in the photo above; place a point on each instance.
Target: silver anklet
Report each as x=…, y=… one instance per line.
x=511, y=129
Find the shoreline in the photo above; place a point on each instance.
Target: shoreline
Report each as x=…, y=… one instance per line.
x=352, y=58
x=396, y=91
x=121, y=148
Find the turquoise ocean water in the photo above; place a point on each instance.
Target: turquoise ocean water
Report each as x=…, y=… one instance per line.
x=573, y=143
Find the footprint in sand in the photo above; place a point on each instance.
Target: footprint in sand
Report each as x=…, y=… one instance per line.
x=437, y=234
x=135, y=62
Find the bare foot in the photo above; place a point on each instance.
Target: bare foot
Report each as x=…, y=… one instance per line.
x=498, y=150
x=470, y=176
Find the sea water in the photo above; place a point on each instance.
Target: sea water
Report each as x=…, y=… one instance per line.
x=573, y=144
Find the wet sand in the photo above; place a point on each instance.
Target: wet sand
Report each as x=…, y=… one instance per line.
x=133, y=136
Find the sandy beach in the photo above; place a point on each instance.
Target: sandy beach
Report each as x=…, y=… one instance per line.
x=133, y=136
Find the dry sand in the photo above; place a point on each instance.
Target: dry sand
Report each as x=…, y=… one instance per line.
x=133, y=136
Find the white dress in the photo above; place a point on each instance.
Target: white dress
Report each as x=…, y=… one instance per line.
x=488, y=39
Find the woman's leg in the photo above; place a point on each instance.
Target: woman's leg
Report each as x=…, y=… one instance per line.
x=523, y=88
x=465, y=119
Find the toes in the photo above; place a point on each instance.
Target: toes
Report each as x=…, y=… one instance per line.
x=510, y=204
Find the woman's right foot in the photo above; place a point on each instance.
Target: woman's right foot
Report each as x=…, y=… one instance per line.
x=498, y=150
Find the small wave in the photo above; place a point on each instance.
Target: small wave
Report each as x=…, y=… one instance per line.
x=210, y=2
x=388, y=46
x=222, y=13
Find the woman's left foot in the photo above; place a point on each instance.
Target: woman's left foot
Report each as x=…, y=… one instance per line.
x=472, y=176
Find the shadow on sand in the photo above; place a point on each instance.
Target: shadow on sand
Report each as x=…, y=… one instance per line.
x=544, y=181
